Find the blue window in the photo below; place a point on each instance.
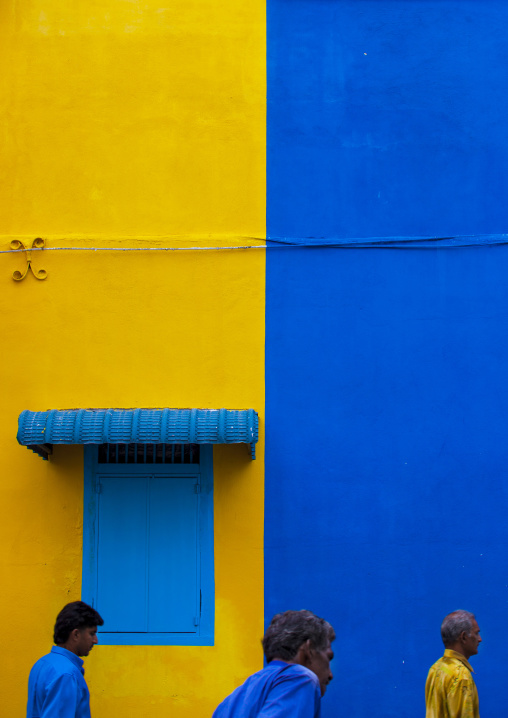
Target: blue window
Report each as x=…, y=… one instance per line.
x=148, y=543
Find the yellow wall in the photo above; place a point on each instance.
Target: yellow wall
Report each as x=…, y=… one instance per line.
x=131, y=124
x=133, y=117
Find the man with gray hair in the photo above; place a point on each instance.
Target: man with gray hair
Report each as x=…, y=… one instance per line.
x=297, y=647
x=450, y=691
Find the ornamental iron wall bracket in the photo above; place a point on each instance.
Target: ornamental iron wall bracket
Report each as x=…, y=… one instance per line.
x=38, y=243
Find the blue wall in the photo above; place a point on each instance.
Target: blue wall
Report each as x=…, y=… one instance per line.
x=386, y=117
x=386, y=399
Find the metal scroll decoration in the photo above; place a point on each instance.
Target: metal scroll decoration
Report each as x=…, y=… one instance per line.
x=38, y=243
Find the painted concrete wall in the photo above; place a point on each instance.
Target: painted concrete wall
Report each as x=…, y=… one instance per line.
x=131, y=125
x=386, y=405
x=138, y=125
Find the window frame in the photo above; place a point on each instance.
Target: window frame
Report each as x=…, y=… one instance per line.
x=204, y=635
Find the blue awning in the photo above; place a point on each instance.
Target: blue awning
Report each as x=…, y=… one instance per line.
x=39, y=430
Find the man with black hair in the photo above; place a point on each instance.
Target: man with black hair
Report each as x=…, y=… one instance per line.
x=56, y=686
x=450, y=691
x=297, y=647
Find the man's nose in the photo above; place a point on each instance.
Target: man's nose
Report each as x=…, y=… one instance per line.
x=95, y=639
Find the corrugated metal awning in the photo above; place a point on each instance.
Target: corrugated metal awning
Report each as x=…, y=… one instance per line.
x=39, y=430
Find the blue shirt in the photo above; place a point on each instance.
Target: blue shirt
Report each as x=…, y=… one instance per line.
x=57, y=688
x=281, y=690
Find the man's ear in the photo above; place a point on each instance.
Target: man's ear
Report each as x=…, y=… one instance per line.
x=74, y=634
x=304, y=653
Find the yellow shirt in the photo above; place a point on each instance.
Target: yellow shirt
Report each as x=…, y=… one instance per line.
x=450, y=691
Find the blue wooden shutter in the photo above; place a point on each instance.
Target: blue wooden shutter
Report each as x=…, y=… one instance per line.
x=148, y=553
x=174, y=559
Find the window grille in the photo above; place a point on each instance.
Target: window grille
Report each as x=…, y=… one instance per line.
x=148, y=454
